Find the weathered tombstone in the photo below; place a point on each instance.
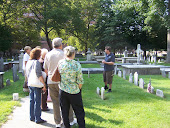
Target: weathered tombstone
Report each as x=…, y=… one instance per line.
x=141, y=83
x=88, y=73
x=159, y=61
x=1, y=80
x=115, y=70
x=131, y=78
x=120, y=73
x=21, y=61
x=139, y=53
x=154, y=58
x=98, y=90
x=169, y=75
x=102, y=93
x=136, y=78
x=1, y=64
x=8, y=82
x=163, y=73
x=150, y=89
x=14, y=70
x=124, y=74
x=159, y=93
x=125, y=52
x=15, y=96
x=89, y=56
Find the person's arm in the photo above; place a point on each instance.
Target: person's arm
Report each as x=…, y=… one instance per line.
x=39, y=74
x=25, y=63
x=45, y=65
x=108, y=63
x=80, y=80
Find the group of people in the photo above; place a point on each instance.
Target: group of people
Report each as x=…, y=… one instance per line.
x=39, y=66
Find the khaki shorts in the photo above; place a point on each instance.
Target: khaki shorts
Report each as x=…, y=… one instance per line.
x=108, y=76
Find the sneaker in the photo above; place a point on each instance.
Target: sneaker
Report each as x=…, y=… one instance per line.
x=73, y=122
x=109, y=91
x=41, y=121
x=58, y=125
x=105, y=87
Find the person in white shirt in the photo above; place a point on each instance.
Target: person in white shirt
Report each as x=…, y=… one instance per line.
x=26, y=57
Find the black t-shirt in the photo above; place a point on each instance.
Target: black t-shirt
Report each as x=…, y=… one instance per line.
x=109, y=58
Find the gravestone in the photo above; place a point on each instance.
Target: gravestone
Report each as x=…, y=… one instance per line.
x=150, y=89
x=125, y=52
x=8, y=82
x=15, y=96
x=89, y=56
x=163, y=73
x=120, y=73
x=169, y=75
x=21, y=61
x=88, y=73
x=159, y=93
x=1, y=64
x=115, y=70
x=14, y=70
x=102, y=93
x=1, y=80
x=124, y=74
x=98, y=90
x=141, y=83
x=131, y=78
x=136, y=78
x=139, y=52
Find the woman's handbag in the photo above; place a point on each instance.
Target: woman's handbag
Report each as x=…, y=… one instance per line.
x=33, y=80
x=56, y=76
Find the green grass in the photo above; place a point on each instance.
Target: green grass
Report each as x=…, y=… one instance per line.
x=128, y=106
x=165, y=64
x=6, y=102
x=90, y=65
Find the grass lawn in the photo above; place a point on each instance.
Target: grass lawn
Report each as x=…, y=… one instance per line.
x=90, y=65
x=165, y=64
x=128, y=106
x=6, y=102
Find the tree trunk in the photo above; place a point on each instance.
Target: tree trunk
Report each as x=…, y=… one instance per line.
x=168, y=46
x=48, y=41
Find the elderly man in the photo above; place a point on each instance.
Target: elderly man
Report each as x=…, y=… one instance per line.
x=50, y=63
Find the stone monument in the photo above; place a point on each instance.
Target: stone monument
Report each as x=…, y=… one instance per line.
x=1, y=64
x=125, y=52
x=102, y=93
x=131, y=78
x=139, y=52
x=21, y=61
x=89, y=56
x=136, y=78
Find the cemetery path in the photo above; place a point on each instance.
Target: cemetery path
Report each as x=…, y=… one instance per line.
x=20, y=117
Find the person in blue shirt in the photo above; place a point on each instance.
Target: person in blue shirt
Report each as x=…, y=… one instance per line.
x=108, y=68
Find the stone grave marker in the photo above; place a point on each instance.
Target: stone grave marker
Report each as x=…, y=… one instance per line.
x=1, y=80
x=102, y=93
x=131, y=78
x=21, y=61
x=115, y=70
x=98, y=90
x=163, y=73
x=120, y=73
x=8, y=82
x=15, y=96
x=1, y=64
x=150, y=89
x=169, y=75
x=159, y=93
x=136, y=78
x=141, y=83
x=124, y=74
x=14, y=70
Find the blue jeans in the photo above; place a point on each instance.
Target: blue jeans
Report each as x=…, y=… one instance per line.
x=35, y=104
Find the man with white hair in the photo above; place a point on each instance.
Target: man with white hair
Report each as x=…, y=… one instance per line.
x=50, y=63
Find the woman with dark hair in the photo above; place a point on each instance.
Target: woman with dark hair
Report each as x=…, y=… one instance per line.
x=36, y=85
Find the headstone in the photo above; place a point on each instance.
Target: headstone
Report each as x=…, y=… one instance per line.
x=88, y=73
x=102, y=93
x=98, y=90
x=115, y=70
x=131, y=78
x=159, y=61
x=89, y=56
x=163, y=73
x=150, y=89
x=139, y=53
x=125, y=52
x=1, y=80
x=169, y=75
x=141, y=83
x=159, y=93
x=15, y=96
x=21, y=61
x=1, y=64
x=124, y=74
x=152, y=59
x=120, y=73
x=14, y=70
x=8, y=82
x=136, y=78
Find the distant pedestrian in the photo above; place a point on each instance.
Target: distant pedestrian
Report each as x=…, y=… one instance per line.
x=26, y=57
x=108, y=68
x=36, y=84
x=70, y=87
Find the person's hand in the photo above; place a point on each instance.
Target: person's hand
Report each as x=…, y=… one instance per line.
x=44, y=89
x=103, y=61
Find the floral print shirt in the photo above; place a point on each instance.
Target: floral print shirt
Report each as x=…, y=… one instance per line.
x=71, y=76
